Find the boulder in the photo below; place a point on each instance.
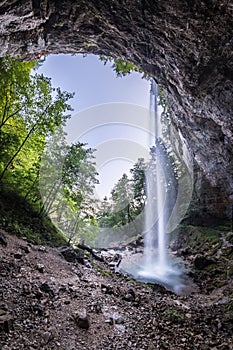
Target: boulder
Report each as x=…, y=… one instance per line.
x=18, y=255
x=71, y=256
x=201, y=261
x=6, y=321
x=82, y=319
x=130, y=295
x=3, y=240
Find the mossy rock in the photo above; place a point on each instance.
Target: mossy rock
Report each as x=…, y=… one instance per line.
x=172, y=316
x=214, y=248
x=230, y=270
x=201, y=262
x=195, y=237
x=212, y=268
x=228, y=312
x=227, y=251
x=230, y=237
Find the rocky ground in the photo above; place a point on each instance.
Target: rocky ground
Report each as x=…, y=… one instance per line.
x=47, y=302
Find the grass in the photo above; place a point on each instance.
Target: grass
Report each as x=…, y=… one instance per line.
x=102, y=271
x=172, y=315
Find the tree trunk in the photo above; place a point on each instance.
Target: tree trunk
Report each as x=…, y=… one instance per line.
x=16, y=153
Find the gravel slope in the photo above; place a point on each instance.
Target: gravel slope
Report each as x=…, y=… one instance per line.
x=49, y=303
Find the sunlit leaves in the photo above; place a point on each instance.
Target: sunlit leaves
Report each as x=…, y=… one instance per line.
x=121, y=67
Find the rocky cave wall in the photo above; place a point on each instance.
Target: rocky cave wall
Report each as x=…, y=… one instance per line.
x=185, y=45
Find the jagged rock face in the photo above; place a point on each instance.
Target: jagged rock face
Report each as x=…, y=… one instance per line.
x=185, y=45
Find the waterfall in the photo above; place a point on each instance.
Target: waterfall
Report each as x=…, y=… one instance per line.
x=155, y=258
x=156, y=265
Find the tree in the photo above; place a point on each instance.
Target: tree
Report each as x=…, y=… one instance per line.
x=127, y=198
x=31, y=109
x=138, y=184
x=67, y=183
x=104, y=212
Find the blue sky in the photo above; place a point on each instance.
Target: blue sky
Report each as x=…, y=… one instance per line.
x=93, y=82
x=95, y=85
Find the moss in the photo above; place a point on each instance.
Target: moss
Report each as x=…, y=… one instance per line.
x=211, y=267
x=225, y=227
x=196, y=237
x=230, y=238
x=227, y=252
x=230, y=270
x=132, y=282
x=105, y=273
x=23, y=219
x=101, y=270
x=172, y=315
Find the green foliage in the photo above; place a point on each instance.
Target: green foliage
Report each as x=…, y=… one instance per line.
x=172, y=315
x=32, y=114
x=20, y=217
x=122, y=68
x=138, y=183
x=68, y=177
x=127, y=199
x=31, y=111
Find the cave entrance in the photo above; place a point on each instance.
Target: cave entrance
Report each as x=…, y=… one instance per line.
x=112, y=120
x=95, y=83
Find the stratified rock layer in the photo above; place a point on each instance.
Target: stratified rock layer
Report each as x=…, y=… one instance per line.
x=186, y=46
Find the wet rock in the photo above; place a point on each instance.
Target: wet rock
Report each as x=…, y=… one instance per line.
x=18, y=255
x=47, y=288
x=82, y=319
x=112, y=265
x=3, y=240
x=42, y=249
x=39, y=309
x=47, y=336
x=118, y=319
x=38, y=293
x=25, y=248
x=117, y=257
x=40, y=268
x=227, y=251
x=200, y=262
x=71, y=256
x=97, y=307
x=130, y=295
x=6, y=321
x=107, y=289
x=185, y=251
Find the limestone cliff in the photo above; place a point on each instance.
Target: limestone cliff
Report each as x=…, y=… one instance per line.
x=185, y=45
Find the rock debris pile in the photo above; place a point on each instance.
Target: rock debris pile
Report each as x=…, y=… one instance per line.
x=47, y=302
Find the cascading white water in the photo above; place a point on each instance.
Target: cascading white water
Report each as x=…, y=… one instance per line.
x=155, y=258
x=156, y=265
x=155, y=255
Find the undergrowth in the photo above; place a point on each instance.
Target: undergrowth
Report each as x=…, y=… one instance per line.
x=18, y=217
